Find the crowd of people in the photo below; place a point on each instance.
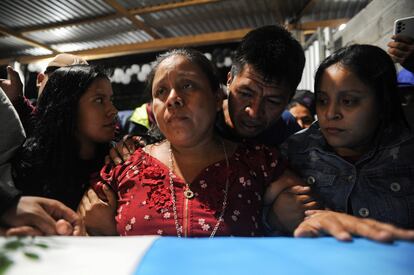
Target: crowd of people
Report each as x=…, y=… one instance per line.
x=214, y=162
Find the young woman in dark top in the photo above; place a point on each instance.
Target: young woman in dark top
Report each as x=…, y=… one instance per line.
x=74, y=123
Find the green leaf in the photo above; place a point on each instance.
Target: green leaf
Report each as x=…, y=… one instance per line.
x=14, y=245
x=41, y=245
x=31, y=255
x=5, y=263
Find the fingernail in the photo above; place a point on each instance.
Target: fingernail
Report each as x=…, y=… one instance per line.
x=344, y=236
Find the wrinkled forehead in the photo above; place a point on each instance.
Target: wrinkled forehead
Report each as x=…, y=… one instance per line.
x=249, y=72
x=172, y=61
x=178, y=65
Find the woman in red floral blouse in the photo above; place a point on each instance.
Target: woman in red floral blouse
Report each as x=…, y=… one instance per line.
x=194, y=183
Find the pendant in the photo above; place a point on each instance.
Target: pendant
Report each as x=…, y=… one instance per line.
x=188, y=194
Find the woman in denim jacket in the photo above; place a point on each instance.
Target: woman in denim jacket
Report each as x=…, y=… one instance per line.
x=359, y=157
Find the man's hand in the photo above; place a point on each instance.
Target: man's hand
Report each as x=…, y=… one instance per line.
x=41, y=216
x=63, y=228
x=288, y=209
x=401, y=51
x=99, y=212
x=343, y=226
x=12, y=86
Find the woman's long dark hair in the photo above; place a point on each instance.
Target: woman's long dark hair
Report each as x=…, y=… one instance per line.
x=374, y=67
x=49, y=163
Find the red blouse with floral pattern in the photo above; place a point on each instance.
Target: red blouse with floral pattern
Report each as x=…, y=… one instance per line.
x=145, y=204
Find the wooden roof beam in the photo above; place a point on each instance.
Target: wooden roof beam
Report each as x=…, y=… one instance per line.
x=149, y=46
x=26, y=40
x=116, y=15
x=170, y=6
x=305, y=9
x=313, y=25
x=138, y=23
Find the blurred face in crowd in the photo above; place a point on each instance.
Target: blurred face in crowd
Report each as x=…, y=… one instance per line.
x=184, y=104
x=253, y=104
x=302, y=115
x=41, y=81
x=96, y=117
x=347, y=111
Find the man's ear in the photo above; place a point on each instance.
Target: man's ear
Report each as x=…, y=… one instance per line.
x=229, y=78
x=39, y=79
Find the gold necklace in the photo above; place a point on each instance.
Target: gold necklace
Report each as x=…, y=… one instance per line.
x=188, y=194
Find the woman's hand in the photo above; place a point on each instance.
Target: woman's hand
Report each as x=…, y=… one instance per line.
x=123, y=149
x=99, y=212
x=343, y=226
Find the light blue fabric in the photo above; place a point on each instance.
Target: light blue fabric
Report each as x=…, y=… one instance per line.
x=262, y=256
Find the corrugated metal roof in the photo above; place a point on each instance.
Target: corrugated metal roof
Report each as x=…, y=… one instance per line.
x=28, y=13
x=116, y=39
x=329, y=9
x=32, y=27
x=215, y=17
x=84, y=32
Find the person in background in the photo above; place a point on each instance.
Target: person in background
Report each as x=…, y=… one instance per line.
x=358, y=157
x=302, y=107
x=401, y=50
x=139, y=122
x=13, y=86
x=74, y=124
x=33, y=215
x=405, y=80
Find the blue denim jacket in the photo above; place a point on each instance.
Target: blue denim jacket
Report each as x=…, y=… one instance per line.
x=380, y=185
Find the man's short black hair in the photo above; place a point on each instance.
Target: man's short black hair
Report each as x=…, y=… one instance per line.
x=273, y=53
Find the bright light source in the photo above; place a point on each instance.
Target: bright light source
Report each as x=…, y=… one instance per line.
x=341, y=27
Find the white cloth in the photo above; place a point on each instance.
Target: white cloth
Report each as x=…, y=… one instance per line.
x=79, y=255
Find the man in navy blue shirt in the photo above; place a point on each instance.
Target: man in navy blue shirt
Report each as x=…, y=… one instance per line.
x=266, y=70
